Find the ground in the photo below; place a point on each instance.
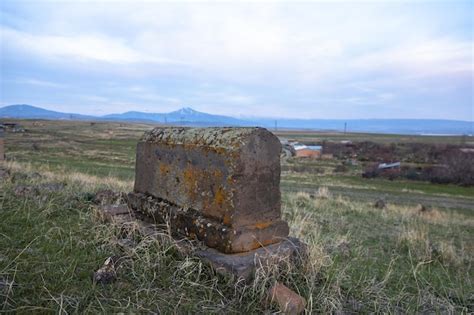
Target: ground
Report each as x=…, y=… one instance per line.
x=399, y=259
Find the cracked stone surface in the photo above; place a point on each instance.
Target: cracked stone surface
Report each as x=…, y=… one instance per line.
x=227, y=177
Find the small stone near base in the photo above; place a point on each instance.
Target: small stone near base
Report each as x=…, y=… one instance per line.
x=107, y=196
x=107, y=213
x=26, y=191
x=106, y=274
x=243, y=265
x=380, y=204
x=288, y=301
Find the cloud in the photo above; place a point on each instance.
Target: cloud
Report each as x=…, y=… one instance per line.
x=82, y=47
x=39, y=83
x=283, y=58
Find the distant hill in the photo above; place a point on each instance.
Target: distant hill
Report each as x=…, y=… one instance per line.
x=186, y=116
x=190, y=117
x=24, y=111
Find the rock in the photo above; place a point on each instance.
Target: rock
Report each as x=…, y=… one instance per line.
x=19, y=177
x=107, y=196
x=4, y=174
x=35, y=175
x=107, y=273
x=126, y=243
x=423, y=209
x=380, y=204
x=52, y=187
x=288, y=301
x=25, y=191
x=344, y=248
x=243, y=265
x=229, y=177
x=192, y=224
x=108, y=212
x=240, y=266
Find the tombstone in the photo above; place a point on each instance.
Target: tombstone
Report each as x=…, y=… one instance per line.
x=219, y=185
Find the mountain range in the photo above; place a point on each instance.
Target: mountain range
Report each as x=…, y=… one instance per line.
x=189, y=117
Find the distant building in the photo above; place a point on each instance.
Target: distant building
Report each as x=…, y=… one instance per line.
x=8, y=125
x=13, y=127
x=307, y=151
x=294, y=148
x=389, y=166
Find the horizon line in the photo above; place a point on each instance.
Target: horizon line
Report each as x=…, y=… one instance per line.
x=246, y=118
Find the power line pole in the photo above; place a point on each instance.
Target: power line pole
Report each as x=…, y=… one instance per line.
x=276, y=125
x=345, y=127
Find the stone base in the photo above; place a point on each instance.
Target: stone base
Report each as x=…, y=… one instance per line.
x=240, y=265
x=192, y=224
x=243, y=265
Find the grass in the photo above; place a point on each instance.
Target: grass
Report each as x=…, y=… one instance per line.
x=319, y=137
x=379, y=184
x=361, y=259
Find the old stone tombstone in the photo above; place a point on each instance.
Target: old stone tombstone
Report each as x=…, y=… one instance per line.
x=219, y=185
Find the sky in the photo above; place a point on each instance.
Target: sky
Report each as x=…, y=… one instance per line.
x=321, y=59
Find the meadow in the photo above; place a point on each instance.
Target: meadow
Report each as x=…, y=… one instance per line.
x=362, y=259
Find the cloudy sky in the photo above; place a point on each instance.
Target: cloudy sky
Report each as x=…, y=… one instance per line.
x=320, y=59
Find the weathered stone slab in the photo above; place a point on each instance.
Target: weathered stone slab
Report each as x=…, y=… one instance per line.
x=228, y=178
x=108, y=212
x=243, y=265
x=191, y=223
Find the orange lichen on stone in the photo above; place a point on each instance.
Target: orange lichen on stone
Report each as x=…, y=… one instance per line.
x=263, y=225
x=219, y=197
x=227, y=219
x=260, y=243
x=190, y=182
x=164, y=168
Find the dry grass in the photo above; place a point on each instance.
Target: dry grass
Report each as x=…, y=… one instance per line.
x=80, y=179
x=348, y=268
x=360, y=259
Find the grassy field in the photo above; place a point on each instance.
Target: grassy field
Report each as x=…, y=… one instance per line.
x=361, y=259
x=318, y=137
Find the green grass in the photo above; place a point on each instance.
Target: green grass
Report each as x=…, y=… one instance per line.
x=379, y=184
x=361, y=259
x=319, y=137
x=400, y=185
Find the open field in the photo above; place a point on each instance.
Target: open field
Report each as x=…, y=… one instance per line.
x=318, y=137
x=361, y=259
